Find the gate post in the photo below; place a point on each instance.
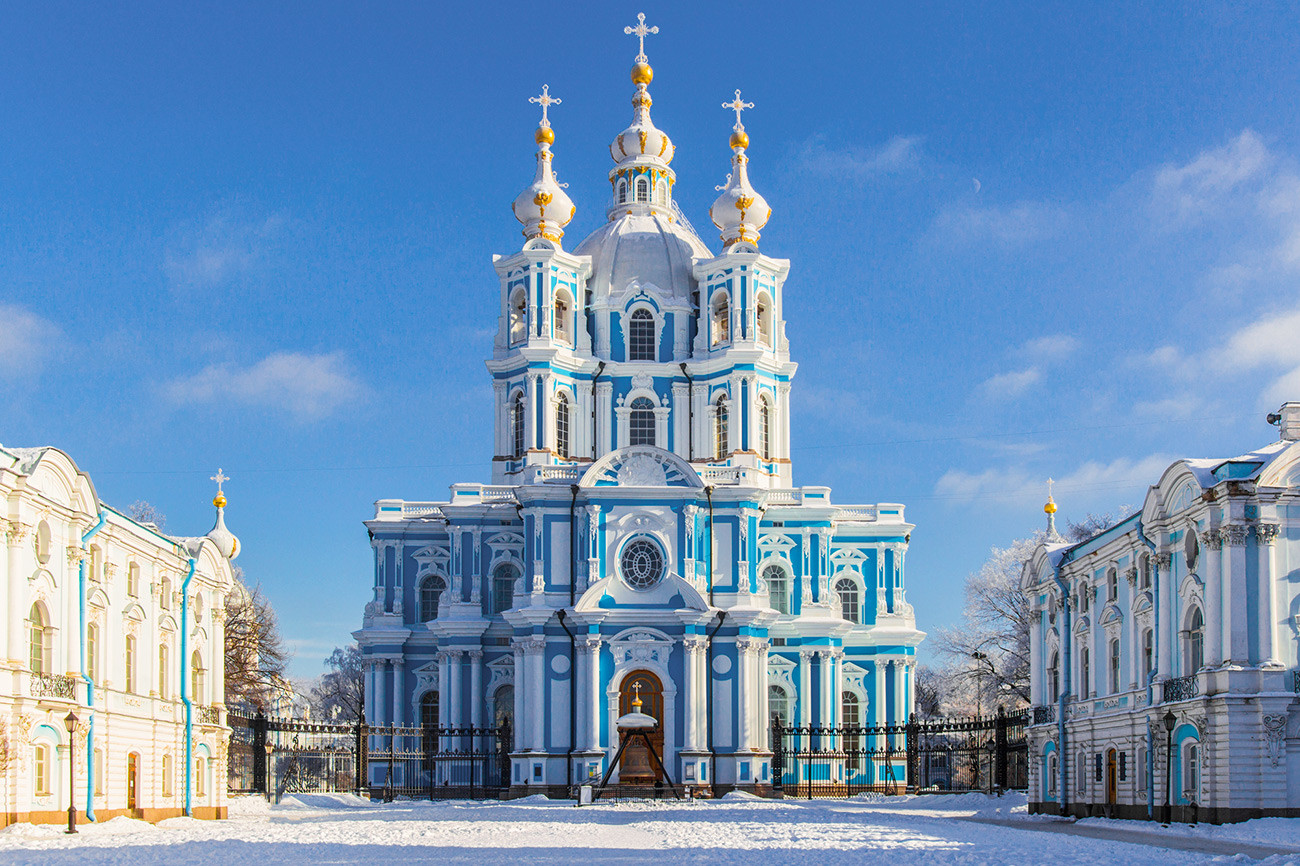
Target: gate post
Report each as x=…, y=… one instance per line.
x=778, y=758
x=360, y=767
x=259, y=726
x=912, y=744
x=1000, y=746
x=504, y=742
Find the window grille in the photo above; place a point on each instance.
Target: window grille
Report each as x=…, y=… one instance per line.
x=641, y=426
x=641, y=336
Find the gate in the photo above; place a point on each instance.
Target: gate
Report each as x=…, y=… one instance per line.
x=988, y=753
x=268, y=755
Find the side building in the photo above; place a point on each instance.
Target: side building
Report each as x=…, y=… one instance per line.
x=1164, y=650
x=120, y=627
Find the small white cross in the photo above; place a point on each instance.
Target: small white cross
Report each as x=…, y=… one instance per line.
x=1050, y=482
x=738, y=105
x=640, y=31
x=545, y=101
x=220, y=478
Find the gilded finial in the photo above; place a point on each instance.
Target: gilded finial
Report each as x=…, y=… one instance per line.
x=220, y=478
x=1050, y=507
x=641, y=71
x=738, y=136
x=636, y=686
x=544, y=134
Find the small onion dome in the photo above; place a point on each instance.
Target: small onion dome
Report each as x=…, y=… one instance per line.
x=223, y=538
x=544, y=207
x=739, y=211
x=1050, y=507
x=642, y=143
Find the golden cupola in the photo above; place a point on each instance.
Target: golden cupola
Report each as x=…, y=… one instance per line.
x=739, y=211
x=641, y=179
x=544, y=207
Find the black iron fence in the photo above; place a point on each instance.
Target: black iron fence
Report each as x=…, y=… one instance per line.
x=292, y=756
x=988, y=753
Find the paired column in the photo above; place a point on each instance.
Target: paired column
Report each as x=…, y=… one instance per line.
x=455, y=713
x=534, y=648
x=1036, y=658
x=694, y=645
x=476, y=688
x=1265, y=535
x=397, y=691
x=1236, y=628
x=588, y=702
x=1216, y=580
x=1169, y=628
x=12, y=620
x=805, y=687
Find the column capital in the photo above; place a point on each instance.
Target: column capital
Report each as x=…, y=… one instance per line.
x=475, y=654
x=15, y=532
x=530, y=644
x=1266, y=532
x=1213, y=538
x=1162, y=560
x=590, y=642
x=751, y=644
x=1236, y=533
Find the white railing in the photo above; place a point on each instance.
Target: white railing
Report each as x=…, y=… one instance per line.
x=723, y=474
x=422, y=509
x=865, y=512
x=497, y=493
x=560, y=473
x=784, y=497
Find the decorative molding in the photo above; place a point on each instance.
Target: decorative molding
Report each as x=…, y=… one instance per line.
x=1236, y=534
x=1274, y=735
x=1266, y=532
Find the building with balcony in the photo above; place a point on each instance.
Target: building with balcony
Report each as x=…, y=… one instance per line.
x=1164, y=650
x=643, y=533
x=109, y=620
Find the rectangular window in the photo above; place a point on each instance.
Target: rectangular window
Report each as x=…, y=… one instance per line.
x=99, y=772
x=41, y=769
x=130, y=664
x=167, y=775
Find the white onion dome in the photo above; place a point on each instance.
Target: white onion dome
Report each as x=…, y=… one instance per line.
x=223, y=538
x=739, y=211
x=544, y=207
x=641, y=154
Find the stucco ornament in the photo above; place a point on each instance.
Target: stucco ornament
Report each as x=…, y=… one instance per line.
x=1274, y=734
x=642, y=470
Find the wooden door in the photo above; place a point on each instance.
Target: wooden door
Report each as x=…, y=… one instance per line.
x=652, y=704
x=1112, y=778
x=132, y=774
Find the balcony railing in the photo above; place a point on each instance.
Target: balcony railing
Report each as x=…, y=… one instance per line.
x=207, y=715
x=54, y=686
x=1180, y=689
x=1044, y=715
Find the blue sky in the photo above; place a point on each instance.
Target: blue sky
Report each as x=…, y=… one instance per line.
x=1026, y=240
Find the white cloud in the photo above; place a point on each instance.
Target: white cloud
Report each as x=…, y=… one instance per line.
x=1007, y=385
x=1089, y=483
x=1051, y=347
x=25, y=338
x=900, y=153
x=1020, y=223
x=1184, y=193
x=307, y=386
x=224, y=246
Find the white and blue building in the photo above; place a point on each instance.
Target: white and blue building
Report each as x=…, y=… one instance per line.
x=642, y=525
x=1164, y=651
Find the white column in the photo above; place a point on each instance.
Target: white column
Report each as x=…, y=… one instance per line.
x=826, y=716
x=1236, y=628
x=531, y=398
x=369, y=699
x=534, y=653
x=397, y=692
x=837, y=702
x=693, y=646
x=476, y=577
x=456, y=713
x=15, y=613
x=900, y=692
x=588, y=701
x=1036, y=658
x=521, y=683
x=444, y=688
x=1265, y=533
x=381, y=709
x=604, y=400
x=476, y=688
x=1169, y=628
x=744, y=698
x=1214, y=571
x=879, y=697
x=805, y=688
x=681, y=435
x=502, y=419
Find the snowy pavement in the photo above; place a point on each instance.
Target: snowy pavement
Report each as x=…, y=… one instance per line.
x=900, y=831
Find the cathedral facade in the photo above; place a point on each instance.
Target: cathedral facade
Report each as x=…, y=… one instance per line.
x=642, y=534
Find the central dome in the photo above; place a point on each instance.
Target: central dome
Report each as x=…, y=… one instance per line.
x=646, y=248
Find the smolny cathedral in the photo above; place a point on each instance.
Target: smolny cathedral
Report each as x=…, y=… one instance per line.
x=642, y=534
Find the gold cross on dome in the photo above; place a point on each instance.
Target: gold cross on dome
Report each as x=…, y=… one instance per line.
x=636, y=693
x=640, y=31
x=738, y=105
x=220, y=478
x=545, y=101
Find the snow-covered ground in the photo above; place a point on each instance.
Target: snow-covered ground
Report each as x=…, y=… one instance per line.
x=900, y=831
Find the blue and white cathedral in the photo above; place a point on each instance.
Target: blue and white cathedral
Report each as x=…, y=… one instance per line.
x=642, y=532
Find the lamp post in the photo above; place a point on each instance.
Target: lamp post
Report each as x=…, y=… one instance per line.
x=979, y=681
x=1170, y=720
x=269, y=780
x=70, y=722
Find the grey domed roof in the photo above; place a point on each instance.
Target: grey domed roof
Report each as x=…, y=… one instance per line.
x=646, y=248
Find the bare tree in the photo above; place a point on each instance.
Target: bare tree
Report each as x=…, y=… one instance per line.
x=142, y=512
x=929, y=685
x=255, y=651
x=989, y=650
x=1091, y=524
x=340, y=694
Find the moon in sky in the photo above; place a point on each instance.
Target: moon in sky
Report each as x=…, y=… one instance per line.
x=976, y=180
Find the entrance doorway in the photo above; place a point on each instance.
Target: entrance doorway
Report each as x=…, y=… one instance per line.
x=132, y=779
x=1112, y=779
x=651, y=692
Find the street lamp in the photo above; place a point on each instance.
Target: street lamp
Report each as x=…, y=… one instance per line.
x=1170, y=720
x=70, y=722
x=269, y=778
x=979, y=681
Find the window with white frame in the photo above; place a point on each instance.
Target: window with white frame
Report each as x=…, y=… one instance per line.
x=1112, y=585
x=1085, y=673
x=778, y=588
x=850, y=718
x=42, y=771
x=563, y=318
x=642, y=189
x=166, y=775
x=765, y=427
x=763, y=313
x=518, y=317
x=847, y=590
x=1144, y=572
x=92, y=650
x=431, y=589
x=200, y=777
x=133, y=579
x=778, y=705
x=1053, y=772
x=721, y=319
x=1195, y=641
x=164, y=678
x=503, y=589
x=429, y=709
x=40, y=640
x=1114, y=666
x=563, y=444
x=198, y=679
x=517, y=425
x=130, y=662
x=1081, y=773
x=622, y=190
x=1192, y=771
x=99, y=772
x=641, y=336
x=1148, y=656
x=641, y=422
x=1054, y=676
x=721, y=447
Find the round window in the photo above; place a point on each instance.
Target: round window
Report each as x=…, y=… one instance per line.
x=642, y=563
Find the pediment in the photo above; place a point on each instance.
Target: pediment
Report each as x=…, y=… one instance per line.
x=641, y=466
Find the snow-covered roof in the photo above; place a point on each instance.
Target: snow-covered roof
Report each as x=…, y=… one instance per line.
x=646, y=248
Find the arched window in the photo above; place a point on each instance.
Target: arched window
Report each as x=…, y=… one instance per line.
x=1054, y=676
x=429, y=710
x=42, y=771
x=99, y=772
x=1114, y=666
x=1195, y=641
x=165, y=593
x=721, y=319
x=518, y=317
x=41, y=640
x=92, y=650
x=1053, y=772
x=431, y=589
x=1085, y=673
x=198, y=678
x=517, y=424
x=641, y=336
x=1112, y=585
x=563, y=318
x=778, y=706
x=563, y=445
x=765, y=427
x=721, y=447
x=641, y=422
x=778, y=588
x=503, y=706
x=200, y=777
x=129, y=672
x=1192, y=771
x=763, y=313
x=850, y=717
x=1145, y=572
x=848, y=593
x=166, y=776
x=164, y=691
x=133, y=580
x=622, y=191
x=1148, y=656
x=503, y=589
x=661, y=192
x=642, y=189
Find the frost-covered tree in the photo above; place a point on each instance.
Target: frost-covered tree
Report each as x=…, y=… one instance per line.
x=255, y=651
x=930, y=688
x=1091, y=524
x=142, y=512
x=340, y=693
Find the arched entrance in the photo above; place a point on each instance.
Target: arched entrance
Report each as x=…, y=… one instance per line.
x=1112, y=779
x=651, y=692
x=132, y=778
